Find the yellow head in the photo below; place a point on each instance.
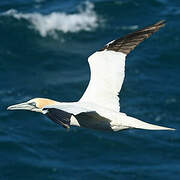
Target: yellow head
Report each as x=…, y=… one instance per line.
x=36, y=104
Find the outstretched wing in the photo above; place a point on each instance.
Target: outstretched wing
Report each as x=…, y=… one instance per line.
x=108, y=68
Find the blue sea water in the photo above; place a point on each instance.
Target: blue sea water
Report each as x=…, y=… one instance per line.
x=44, y=47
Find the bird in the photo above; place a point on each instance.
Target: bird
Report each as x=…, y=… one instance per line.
x=99, y=106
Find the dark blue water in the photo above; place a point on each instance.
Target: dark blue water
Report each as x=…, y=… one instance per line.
x=44, y=47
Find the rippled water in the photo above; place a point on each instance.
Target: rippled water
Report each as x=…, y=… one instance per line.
x=43, y=53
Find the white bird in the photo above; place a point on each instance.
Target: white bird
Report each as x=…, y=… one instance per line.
x=99, y=106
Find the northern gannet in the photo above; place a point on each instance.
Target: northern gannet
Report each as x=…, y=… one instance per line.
x=99, y=106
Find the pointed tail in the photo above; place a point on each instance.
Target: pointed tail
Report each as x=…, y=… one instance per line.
x=135, y=123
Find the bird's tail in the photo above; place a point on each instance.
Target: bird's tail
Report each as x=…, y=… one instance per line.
x=138, y=124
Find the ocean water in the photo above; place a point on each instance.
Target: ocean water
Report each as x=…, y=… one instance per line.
x=44, y=47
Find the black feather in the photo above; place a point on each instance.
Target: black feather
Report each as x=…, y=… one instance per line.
x=127, y=43
x=58, y=116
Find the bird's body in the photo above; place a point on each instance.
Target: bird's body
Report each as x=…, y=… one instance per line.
x=89, y=115
x=99, y=106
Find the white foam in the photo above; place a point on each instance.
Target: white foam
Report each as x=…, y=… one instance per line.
x=86, y=20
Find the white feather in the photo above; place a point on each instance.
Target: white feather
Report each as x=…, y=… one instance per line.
x=107, y=76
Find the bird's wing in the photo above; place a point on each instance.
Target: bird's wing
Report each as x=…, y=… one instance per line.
x=58, y=116
x=108, y=68
x=62, y=114
x=93, y=120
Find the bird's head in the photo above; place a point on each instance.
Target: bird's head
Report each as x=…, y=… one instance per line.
x=36, y=104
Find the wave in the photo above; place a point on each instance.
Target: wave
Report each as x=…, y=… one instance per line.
x=39, y=1
x=85, y=19
x=133, y=27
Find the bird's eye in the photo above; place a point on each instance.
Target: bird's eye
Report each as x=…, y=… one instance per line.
x=32, y=104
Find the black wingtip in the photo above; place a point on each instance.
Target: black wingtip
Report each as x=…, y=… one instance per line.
x=157, y=25
x=58, y=116
x=127, y=43
x=161, y=23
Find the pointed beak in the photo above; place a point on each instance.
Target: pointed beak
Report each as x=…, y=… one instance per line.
x=21, y=106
